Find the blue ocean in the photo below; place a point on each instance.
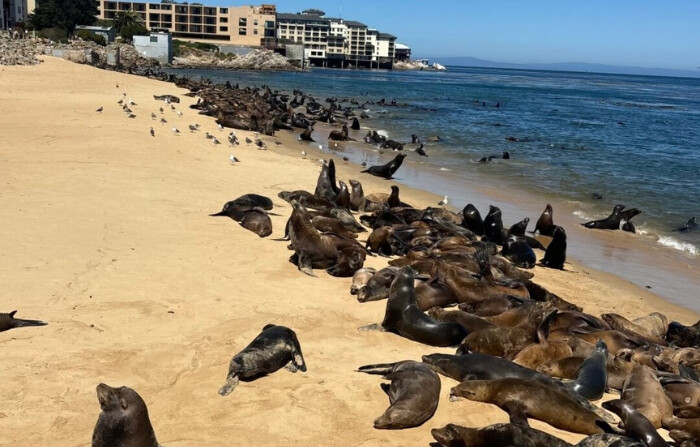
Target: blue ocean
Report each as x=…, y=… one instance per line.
x=634, y=140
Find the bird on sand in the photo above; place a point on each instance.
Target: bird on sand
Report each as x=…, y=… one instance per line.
x=303, y=153
x=179, y=114
x=444, y=201
x=261, y=145
x=220, y=126
x=176, y=131
x=233, y=159
x=163, y=121
x=120, y=102
x=193, y=127
x=345, y=159
x=131, y=115
x=248, y=140
x=215, y=141
x=153, y=132
x=161, y=110
x=153, y=116
x=208, y=135
x=100, y=109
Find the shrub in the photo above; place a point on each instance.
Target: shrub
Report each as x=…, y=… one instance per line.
x=55, y=34
x=88, y=36
x=127, y=32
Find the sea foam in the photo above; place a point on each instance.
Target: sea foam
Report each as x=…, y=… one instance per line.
x=668, y=241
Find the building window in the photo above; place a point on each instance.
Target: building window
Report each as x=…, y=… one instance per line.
x=223, y=19
x=255, y=31
x=255, y=22
x=154, y=38
x=242, y=32
x=223, y=10
x=242, y=21
x=223, y=29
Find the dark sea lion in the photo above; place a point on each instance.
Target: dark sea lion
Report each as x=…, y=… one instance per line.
x=360, y=279
x=306, y=198
x=355, y=124
x=684, y=431
x=545, y=224
x=414, y=393
x=628, y=227
x=311, y=249
x=357, y=196
x=636, y=425
x=683, y=336
x=612, y=222
x=643, y=391
x=592, y=375
x=404, y=317
x=690, y=225
x=331, y=225
x=472, y=220
x=275, y=347
x=420, y=151
x=555, y=255
x=257, y=221
x=237, y=207
x=493, y=226
x=347, y=219
x=518, y=229
x=8, y=321
x=306, y=134
x=629, y=213
x=387, y=170
x=517, y=251
x=608, y=440
x=523, y=399
x=501, y=435
x=325, y=185
x=568, y=367
x=343, y=200
x=124, y=419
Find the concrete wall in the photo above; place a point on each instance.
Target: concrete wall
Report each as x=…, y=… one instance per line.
x=158, y=46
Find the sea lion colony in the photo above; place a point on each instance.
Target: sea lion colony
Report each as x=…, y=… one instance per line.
x=518, y=346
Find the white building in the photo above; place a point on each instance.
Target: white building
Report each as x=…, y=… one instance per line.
x=14, y=11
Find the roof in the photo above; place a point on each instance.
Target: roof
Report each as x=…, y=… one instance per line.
x=386, y=36
x=301, y=17
x=94, y=28
x=400, y=46
x=355, y=24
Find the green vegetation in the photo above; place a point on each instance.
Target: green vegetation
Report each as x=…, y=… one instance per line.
x=63, y=14
x=128, y=24
x=179, y=45
x=88, y=36
x=55, y=34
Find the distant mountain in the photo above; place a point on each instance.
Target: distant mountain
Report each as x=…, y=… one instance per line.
x=566, y=66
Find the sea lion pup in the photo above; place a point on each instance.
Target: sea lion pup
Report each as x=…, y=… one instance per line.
x=325, y=184
x=592, y=375
x=517, y=251
x=545, y=224
x=686, y=432
x=8, y=321
x=404, y=317
x=357, y=196
x=343, y=200
x=472, y=220
x=275, y=347
x=355, y=124
x=555, y=254
x=523, y=399
x=636, y=425
x=124, y=419
x=683, y=336
x=501, y=435
x=257, y=221
x=612, y=222
x=360, y=279
x=643, y=391
x=339, y=135
x=420, y=151
x=235, y=208
x=414, y=393
x=306, y=134
x=387, y=170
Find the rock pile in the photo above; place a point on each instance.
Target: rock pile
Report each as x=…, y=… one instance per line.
x=17, y=51
x=255, y=60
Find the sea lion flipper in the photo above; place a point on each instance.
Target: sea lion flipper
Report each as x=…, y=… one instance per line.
x=305, y=266
x=380, y=369
x=372, y=327
x=607, y=428
x=291, y=367
x=230, y=385
x=517, y=413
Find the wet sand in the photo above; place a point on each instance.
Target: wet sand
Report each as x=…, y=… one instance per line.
x=107, y=239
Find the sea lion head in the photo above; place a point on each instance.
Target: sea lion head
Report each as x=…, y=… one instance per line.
x=454, y=435
x=442, y=363
x=476, y=390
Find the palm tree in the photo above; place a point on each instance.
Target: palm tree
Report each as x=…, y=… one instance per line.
x=126, y=18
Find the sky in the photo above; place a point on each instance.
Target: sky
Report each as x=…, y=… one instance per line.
x=643, y=33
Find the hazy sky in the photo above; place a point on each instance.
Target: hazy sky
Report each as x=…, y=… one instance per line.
x=646, y=33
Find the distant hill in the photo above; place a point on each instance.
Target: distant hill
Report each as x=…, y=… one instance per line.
x=566, y=66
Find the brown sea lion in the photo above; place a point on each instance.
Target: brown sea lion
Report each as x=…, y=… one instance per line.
x=684, y=431
x=567, y=368
x=274, y=348
x=325, y=184
x=620, y=323
x=537, y=354
x=414, y=393
x=8, y=321
x=360, y=279
x=656, y=324
x=683, y=336
x=236, y=208
x=523, y=399
x=501, y=435
x=343, y=200
x=257, y=221
x=545, y=224
x=357, y=196
x=331, y=225
x=637, y=426
x=643, y=391
x=124, y=419
x=682, y=392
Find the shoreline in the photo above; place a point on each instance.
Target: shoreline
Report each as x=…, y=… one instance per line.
x=112, y=245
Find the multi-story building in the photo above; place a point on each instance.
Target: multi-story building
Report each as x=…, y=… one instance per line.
x=402, y=52
x=15, y=11
x=237, y=25
x=309, y=29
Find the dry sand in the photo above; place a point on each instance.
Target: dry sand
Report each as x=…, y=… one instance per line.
x=106, y=237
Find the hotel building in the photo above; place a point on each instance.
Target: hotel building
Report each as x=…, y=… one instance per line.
x=15, y=11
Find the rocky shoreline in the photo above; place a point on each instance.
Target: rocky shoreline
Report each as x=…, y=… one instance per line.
x=255, y=60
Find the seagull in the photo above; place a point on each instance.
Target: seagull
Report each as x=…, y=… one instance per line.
x=303, y=154
x=131, y=102
x=153, y=116
x=100, y=109
x=232, y=139
x=131, y=115
x=320, y=147
x=117, y=85
x=261, y=145
x=215, y=141
x=444, y=201
x=208, y=135
x=233, y=159
x=179, y=114
x=120, y=102
x=193, y=127
x=161, y=110
x=127, y=110
x=345, y=159
x=248, y=140
x=172, y=107
x=153, y=132
x=176, y=130
x=220, y=126
x=163, y=121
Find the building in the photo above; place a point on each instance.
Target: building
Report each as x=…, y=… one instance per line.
x=157, y=45
x=15, y=11
x=402, y=52
x=252, y=26
x=310, y=29
x=105, y=31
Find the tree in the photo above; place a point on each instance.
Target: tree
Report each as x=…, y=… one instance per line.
x=133, y=29
x=63, y=14
x=126, y=18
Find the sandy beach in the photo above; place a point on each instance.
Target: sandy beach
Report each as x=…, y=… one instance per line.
x=107, y=238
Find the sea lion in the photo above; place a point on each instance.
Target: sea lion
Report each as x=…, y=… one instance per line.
x=339, y=135
x=360, y=279
x=629, y=213
x=681, y=391
x=8, y=321
x=655, y=324
x=537, y=354
x=545, y=224
x=357, y=196
x=378, y=286
x=628, y=227
x=331, y=225
x=236, y=208
x=404, y=317
x=683, y=336
x=124, y=419
x=643, y=391
x=355, y=124
x=592, y=375
x=493, y=226
x=472, y=220
x=620, y=323
x=518, y=229
x=517, y=251
x=343, y=199
x=636, y=425
x=690, y=225
x=306, y=134
x=523, y=399
x=275, y=347
x=325, y=184
x=420, y=151
x=568, y=367
x=555, y=255
x=387, y=170
x=414, y=393
x=257, y=221
x=612, y=222
x=684, y=431
x=305, y=198
x=501, y=435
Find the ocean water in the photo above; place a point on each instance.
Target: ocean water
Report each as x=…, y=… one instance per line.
x=635, y=140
